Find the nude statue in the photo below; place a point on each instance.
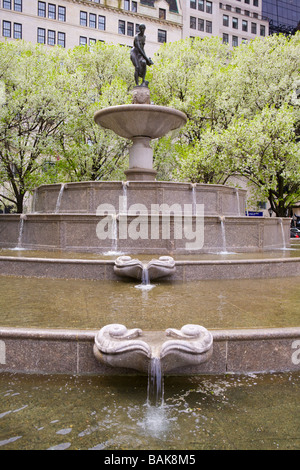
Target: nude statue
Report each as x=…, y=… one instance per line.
x=138, y=56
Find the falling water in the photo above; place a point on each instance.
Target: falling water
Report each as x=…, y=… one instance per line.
x=223, y=235
x=114, y=233
x=57, y=207
x=155, y=391
x=124, y=208
x=21, y=229
x=145, y=285
x=282, y=234
x=194, y=204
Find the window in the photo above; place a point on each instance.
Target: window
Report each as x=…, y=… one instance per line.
x=225, y=20
x=162, y=14
x=51, y=11
x=247, y=1
x=127, y=5
x=134, y=6
x=235, y=23
x=17, y=31
x=92, y=20
x=42, y=9
x=208, y=26
x=130, y=29
x=246, y=12
x=18, y=5
x=200, y=24
x=193, y=4
x=228, y=7
x=6, y=29
x=262, y=30
x=201, y=5
x=61, y=39
x=253, y=28
x=121, y=27
x=245, y=25
x=41, y=36
x=7, y=4
x=101, y=23
x=82, y=40
x=192, y=22
x=92, y=41
x=208, y=7
x=51, y=37
x=235, y=41
x=83, y=18
x=255, y=3
x=225, y=38
x=61, y=13
x=238, y=10
x=162, y=35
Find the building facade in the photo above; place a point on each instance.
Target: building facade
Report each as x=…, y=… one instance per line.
x=69, y=23
x=234, y=21
x=284, y=15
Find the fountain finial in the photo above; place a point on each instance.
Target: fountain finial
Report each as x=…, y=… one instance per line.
x=139, y=58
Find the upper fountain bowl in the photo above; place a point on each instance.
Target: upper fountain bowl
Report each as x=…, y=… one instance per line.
x=140, y=120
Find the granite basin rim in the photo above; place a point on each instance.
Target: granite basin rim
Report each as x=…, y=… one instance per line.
x=140, y=120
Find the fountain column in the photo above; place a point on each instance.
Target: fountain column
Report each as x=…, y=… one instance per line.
x=140, y=122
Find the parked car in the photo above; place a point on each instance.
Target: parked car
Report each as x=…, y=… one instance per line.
x=295, y=232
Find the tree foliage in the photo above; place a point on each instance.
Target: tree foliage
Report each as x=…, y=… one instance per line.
x=242, y=105
x=243, y=110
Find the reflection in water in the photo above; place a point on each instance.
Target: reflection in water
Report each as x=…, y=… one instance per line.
x=204, y=412
x=86, y=304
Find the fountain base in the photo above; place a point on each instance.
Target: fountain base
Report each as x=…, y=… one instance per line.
x=140, y=174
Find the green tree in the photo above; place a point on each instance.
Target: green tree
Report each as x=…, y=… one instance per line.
x=100, y=78
x=32, y=114
x=243, y=112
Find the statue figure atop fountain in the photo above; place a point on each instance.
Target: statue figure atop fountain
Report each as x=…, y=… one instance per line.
x=139, y=58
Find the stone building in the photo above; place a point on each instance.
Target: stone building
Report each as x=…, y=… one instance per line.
x=69, y=23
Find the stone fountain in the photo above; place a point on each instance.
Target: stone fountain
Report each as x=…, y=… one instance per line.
x=147, y=217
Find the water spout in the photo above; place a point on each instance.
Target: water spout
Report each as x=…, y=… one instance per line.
x=145, y=285
x=58, y=202
x=21, y=230
x=125, y=184
x=155, y=391
x=282, y=234
x=113, y=236
x=222, y=220
x=194, y=201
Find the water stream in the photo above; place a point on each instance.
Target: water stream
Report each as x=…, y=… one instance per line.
x=282, y=234
x=59, y=197
x=21, y=230
x=155, y=390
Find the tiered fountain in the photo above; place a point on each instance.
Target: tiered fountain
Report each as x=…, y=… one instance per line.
x=142, y=216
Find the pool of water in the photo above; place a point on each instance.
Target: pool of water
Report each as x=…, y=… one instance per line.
x=112, y=413
x=292, y=252
x=86, y=304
